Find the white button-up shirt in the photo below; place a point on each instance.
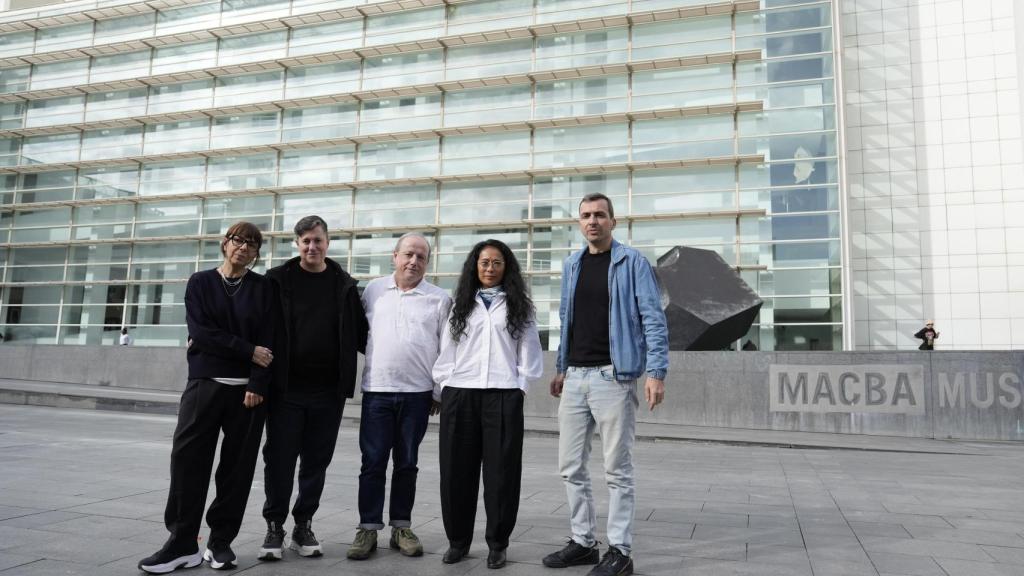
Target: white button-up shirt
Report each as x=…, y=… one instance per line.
x=405, y=335
x=486, y=356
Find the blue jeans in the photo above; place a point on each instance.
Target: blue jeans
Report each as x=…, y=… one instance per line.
x=592, y=398
x=392, y=423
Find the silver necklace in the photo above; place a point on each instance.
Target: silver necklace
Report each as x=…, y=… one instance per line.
x=229, y=284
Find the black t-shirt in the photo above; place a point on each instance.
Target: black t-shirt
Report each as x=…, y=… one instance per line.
x=588, y=345
x=314, y=345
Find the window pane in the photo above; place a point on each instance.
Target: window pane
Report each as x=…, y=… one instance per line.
x=318, y=166
x=111, y=143
x=245, y=130
x=484, y=202
x=120, y=66
x=388, y=160
x=489, y=105
x=400, y=114
x=334, y=207
x=177, y=97
x=107, y=182
x=171, y=137
x=335, y=78
x=180, y=177
x=180, y=57
x=119, y=104
x=481, y=153
x=319, y=123
x=50, y=111
x=241, y=172
x=252, y=47
x=582, y=49
x=564, y=98
x=397, y=206
x=326, y=37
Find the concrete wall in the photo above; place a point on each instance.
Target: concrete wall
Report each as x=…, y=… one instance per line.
x=934, y=164
x=977, y=395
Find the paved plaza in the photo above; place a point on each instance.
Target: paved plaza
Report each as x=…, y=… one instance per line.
x=82, y=493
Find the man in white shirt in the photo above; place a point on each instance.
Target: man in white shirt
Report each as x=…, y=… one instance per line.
x=407, y=315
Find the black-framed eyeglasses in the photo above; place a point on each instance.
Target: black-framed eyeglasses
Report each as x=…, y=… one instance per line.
x=238, y=242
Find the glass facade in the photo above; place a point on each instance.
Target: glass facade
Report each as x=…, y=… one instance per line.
x=710, y=124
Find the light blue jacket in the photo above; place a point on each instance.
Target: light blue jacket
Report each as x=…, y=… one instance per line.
x=637, y=331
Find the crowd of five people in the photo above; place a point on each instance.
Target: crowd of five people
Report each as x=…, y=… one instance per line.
x=280, y=351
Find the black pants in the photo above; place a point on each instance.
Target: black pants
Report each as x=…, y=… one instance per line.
x=207, y=408
x=303, y=426
x=480, y=427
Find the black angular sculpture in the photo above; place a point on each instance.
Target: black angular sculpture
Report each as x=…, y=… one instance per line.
x=707, y=304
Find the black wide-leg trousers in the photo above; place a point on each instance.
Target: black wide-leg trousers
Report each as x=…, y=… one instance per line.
x=206, y=409
x=480, y=428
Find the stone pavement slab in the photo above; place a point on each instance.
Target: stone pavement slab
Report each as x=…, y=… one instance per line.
x=82, y=493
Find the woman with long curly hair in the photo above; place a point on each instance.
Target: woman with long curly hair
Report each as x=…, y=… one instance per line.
x=489, y=353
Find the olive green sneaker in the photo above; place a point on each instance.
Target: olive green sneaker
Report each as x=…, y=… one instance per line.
x=364, y=544
x=406, y=542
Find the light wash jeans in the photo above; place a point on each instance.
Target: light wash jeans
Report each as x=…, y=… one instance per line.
x=591, y=397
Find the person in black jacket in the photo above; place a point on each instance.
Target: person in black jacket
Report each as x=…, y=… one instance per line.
x=927, y=335
x=230, y=315
x=323, y=326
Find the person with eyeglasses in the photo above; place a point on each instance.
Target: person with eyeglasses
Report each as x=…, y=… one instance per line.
x=230, y=312
x=323, y=327
x=490, y=351
x=927, y=335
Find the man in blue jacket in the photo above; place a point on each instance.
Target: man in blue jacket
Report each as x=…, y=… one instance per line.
x=613, y=332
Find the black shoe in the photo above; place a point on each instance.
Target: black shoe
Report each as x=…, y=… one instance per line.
x=613, y=564
x=453, y=555
x=273, y=542
x=303, y=540
x=165, y=561
x=496, y=558
x=572, y=555
x=219, y=556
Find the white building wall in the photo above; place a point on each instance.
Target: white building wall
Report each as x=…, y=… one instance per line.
x=935, y=176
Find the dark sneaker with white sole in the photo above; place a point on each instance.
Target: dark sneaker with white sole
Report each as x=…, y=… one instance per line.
x=219, y=556
x=273, y=542
x=165, y=561
x=304, y=541
x=572, y=555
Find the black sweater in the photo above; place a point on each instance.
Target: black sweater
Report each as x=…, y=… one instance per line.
x=225, y=330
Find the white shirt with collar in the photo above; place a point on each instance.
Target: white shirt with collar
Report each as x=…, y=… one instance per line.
x=405, y=335
x=486, y=356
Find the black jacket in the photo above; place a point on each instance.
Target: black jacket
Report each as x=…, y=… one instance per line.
x=923, y=335
x=352, y=324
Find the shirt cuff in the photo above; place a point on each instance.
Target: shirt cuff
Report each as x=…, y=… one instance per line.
x=659, y=374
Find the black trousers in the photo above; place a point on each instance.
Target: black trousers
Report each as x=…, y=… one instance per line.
x=480, y=427
x=303, y=426
x=206, y=409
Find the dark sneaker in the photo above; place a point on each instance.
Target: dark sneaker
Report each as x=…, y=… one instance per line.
x=219, y=556
x=406, y=542
x=273, y=542
x=614, y=563
x=364, y=544
x=165, y=561
x=304, y=541
x=572, y=555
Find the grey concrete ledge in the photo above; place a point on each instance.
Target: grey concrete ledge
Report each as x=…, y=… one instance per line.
x=910, y=394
